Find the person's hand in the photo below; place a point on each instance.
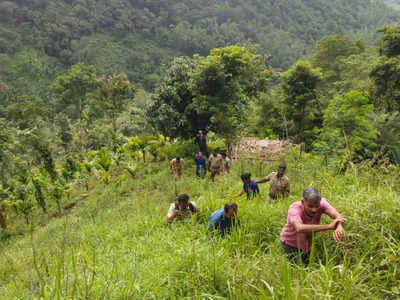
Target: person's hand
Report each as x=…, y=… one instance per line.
x=176, y=212
x=335, y=222
x=338, y=234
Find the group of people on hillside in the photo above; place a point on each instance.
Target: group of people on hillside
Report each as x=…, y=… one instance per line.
x=217, y=164
x=303, y=216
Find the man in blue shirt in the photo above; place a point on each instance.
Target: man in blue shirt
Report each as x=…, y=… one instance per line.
x=223, y=219
x=250, y=187
x=200, y=165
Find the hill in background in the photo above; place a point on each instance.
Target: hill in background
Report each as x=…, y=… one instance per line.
x=41, y=38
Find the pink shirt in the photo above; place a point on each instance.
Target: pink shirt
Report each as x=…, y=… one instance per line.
x=296, y=213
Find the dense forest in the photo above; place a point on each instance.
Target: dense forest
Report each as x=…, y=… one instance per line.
x=96, y=97
x=40, y=39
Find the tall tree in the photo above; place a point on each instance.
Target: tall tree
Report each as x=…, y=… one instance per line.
x=172, y=110
x=224, y=83
x=348, y=133
x=72, y=90
x=111, y=96
x=301, y=105
x=385, y=72
x=389, y=43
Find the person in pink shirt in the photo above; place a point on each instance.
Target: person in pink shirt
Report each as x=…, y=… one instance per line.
x=303, y=220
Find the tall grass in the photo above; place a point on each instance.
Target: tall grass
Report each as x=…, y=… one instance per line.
x=116, y=244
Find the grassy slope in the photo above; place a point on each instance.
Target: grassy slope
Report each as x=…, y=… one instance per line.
x=116, y=245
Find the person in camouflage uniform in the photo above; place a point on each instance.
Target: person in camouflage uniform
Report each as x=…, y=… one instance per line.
x=176, y=167
x=215, y=164
x=280, y=185
x=181, y=210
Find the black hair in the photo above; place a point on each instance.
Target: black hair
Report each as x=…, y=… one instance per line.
x=282, y=165
x=229, y=206
x=178, y=158
x=183, y=198
x=245, y=176
x=312, y=194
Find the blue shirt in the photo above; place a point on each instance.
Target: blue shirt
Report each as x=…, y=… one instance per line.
x=219, y=222
x=200, y=161
x=251, y=189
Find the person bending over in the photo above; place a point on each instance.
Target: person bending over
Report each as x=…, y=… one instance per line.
x=303, y=220
x=222, y=220
x=250, y=187
x=182, y=209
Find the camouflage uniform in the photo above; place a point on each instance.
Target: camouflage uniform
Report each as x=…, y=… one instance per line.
x=177, y=167
x=280, y=186
x=216, y=164
x=183, y=213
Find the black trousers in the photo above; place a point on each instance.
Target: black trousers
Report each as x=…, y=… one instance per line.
x=296, y=255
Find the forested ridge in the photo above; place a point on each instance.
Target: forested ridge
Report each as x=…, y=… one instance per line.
x=41, y=38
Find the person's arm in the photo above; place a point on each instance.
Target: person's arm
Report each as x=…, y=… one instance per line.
x=172, y=213
x=238, y=221
x=241, y=193
x=338, y=233
x=268, y=178
x=310, y=228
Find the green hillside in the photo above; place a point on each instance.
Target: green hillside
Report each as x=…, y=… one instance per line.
x=41, y=38
x=116, y=244
x=95, y=103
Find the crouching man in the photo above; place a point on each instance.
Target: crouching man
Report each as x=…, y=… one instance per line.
x=222, y=220
x=183, y=209
x=303, y=220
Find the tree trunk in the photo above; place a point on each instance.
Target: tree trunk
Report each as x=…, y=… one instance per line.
x=144, y=155
x=3, y=223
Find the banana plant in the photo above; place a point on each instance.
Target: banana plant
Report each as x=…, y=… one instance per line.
x=102, y=162
x=156, y=145
x=133, y=170
x=140, y=143
x=85, y=168
x=38, y=184
x=20, y=196
x=59, y=190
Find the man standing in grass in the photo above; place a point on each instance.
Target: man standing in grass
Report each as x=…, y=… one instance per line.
x=250, y=187
x=201, y=140
x=183, y=209
x=303, y=220
x=200, y=165
x=280, y=185
x=223, y=219
x=176, y=167
x=215, y=164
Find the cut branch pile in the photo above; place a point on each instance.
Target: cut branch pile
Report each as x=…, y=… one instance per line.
x=253, y=148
